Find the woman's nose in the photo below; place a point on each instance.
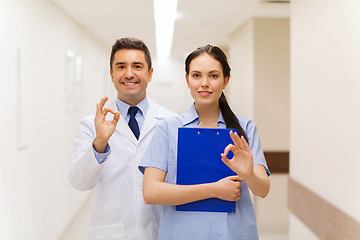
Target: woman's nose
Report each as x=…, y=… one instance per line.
x=205, y=82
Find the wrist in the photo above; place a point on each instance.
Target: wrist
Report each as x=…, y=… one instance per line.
x=249, y=176
x=99, y=145
x=212, y=190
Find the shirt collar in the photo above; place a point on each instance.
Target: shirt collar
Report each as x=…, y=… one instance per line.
x=124, y=107
x=191, y=116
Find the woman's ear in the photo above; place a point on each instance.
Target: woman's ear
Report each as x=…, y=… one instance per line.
x=226, y=81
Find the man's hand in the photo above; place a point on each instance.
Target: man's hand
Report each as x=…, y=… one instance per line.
x=104, y=129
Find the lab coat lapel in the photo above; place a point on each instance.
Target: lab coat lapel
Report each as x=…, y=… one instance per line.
x=151, y=119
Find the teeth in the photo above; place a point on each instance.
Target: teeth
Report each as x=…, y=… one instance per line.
x=129, y=84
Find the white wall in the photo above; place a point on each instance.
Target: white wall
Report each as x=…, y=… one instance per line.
x=168, y=86
x=325, y=102
x=259, y=87
x=272, y=82
x=259, y=90
x=36, y=199
x=241, y=58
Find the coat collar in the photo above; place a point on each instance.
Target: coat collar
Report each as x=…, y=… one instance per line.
x=152, y=117
x=192, y=116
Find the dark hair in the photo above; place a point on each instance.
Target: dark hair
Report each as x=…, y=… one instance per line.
x=230, y=119
x=130, y=43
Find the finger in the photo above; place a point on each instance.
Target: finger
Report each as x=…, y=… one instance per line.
x=98, y=111
x=239, y=142
x=225, y=160
x=235, y=178
x=228, y=148
x=116, y=118
x=110, y=110
x=102, y=102
x=235, y=138
x=246, y=145
x=232, y=137
x=100, y=105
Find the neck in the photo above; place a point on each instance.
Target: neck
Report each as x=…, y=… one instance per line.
x=208, y=115
x=132, y=101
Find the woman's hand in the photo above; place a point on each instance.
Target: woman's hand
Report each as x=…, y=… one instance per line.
x=228, y=188
x=242, y=162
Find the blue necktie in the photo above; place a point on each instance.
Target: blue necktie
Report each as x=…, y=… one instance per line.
x=133, y=124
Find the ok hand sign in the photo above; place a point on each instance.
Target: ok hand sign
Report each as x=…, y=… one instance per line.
x=242, y=162
x=104, y=129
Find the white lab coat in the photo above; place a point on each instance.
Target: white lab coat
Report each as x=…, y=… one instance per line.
x=118, y=208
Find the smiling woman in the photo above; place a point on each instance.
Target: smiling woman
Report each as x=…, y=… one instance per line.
x=207, y=74
x=206, y=81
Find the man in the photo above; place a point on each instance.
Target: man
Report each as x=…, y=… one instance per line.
x=110, y=145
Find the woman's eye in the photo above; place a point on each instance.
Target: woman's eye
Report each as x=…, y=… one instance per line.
x=214, y=76
x=196, y=75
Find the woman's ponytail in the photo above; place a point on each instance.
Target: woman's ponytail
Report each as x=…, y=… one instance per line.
x=230, y=119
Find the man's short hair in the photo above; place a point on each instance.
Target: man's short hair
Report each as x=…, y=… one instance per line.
x=130, y=43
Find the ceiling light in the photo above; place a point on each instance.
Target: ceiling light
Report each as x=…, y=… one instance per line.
x=165, y=13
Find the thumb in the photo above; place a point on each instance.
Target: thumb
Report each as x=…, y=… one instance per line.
x=228, y=149
x=116, y=118
x=225, y=159
x=236, y=178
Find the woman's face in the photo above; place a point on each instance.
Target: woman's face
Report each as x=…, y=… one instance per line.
x=206, y=80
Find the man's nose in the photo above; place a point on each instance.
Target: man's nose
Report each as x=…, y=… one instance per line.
x=129, y=73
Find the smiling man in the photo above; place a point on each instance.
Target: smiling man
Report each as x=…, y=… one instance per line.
x=110, y=144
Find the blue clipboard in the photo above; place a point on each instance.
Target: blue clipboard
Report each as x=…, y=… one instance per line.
x=199, y=161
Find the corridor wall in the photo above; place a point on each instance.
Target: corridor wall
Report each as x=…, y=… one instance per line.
x=259, y=56
x=325, y=103
x=37, y=121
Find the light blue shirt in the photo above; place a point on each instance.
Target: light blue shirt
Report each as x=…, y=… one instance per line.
x=123, y=108
x=179, y=225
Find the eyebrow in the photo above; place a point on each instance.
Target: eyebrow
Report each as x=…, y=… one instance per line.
x=134, y=63
x=213, y=71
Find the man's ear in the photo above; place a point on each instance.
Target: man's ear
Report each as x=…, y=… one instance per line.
x=150, y=74
x=187, y=79
x=111, y=74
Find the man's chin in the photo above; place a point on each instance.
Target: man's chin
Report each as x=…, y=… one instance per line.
x=131, y=97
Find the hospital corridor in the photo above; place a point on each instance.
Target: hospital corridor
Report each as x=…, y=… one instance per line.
x=295, y=72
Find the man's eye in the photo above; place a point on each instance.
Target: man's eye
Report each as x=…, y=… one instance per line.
x=121, y=67
x=137, y=67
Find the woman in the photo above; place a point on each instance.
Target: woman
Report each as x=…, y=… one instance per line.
x=207, y=74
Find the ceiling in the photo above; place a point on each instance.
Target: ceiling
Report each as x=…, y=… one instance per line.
x=198, y=22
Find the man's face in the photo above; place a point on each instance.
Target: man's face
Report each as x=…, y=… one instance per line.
x=130, y=75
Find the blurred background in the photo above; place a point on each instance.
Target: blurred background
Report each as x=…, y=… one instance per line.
x=295, y=72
